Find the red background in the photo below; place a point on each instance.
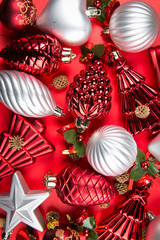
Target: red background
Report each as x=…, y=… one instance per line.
x=56, y=161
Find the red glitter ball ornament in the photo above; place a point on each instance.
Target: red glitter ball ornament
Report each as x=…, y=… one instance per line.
x=17, y=15
x=36, y=54
x=89, y=96
x=83, y=187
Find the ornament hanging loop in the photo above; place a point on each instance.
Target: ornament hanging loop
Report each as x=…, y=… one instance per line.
x=93, y=12
x=67, y=55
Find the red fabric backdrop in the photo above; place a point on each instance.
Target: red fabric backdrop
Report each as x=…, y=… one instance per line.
x=56, y=161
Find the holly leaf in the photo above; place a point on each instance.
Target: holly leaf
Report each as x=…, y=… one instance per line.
x=98, y=50
x=79, y=148
x=84, y=50
x=70, y=136
x=102, y=17
x=90, y=3
x=93, y=222
x=92, y=235
x=152, y=169
x=140, y=156
x=105, y=3
x=137, y=173
x=78, y=228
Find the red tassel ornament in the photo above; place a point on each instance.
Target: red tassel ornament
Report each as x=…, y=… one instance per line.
x=140, y=102
x=37, y=54
x=82, y=187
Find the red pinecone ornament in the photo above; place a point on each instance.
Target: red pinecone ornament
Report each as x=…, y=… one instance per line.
x=89, y=96
x=21, y=145
x=140, y=102
x=38, y=54
x=78, y=187
x=128, y=222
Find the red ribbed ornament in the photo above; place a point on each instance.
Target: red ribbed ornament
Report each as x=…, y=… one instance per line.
x=83, y=187
x=128, y=222
x=89, y=96
x=18, y=15
x=36, y=54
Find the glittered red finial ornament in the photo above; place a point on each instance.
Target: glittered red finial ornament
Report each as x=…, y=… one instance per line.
x=83, y=187
x=36, y=54
x=18, y=15
x=89, y=96
x=31, y=144
x=140, y=102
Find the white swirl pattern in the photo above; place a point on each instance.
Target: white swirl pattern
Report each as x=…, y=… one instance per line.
x=25, y=95
x=111, y=150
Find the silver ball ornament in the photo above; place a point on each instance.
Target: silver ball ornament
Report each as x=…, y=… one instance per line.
x=67, y=21
x=111, y=150
x=134, y=26
x=26, y=95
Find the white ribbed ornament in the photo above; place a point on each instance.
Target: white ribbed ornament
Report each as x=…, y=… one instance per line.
x=134, y=26
x=111, y=150
x=26, y=95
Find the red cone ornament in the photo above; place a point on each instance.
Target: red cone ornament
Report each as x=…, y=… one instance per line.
x=140, y=102
x=38, y=54
x=128, y=222
x=18, y=15
x=89, y=96
x=83, y=187
x=20, y=146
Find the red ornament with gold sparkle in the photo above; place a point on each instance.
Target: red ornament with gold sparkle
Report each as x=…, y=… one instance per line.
x=89, y=96
x=18, y=15
x=36, y=54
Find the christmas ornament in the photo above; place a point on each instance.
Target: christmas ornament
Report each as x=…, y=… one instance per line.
x=78, y=187
x=153, y=229
x=36, y=54
x=111, y=150
x=89, y=96
x=21, y=204
x=18, y=15
x=122, y=188
x=123, y=177
x=21, y=145
x=27, y=234
x=154, y=147
x=140, y=102
x=134, y=26
x=155, y=57
x=67, y=21
x=60, y=82
x=26, y=95
x=128, y=221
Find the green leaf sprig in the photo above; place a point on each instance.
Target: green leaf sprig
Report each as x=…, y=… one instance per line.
x=137, y=172
x=97, y=50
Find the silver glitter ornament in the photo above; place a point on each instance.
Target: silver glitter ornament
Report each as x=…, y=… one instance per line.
x=111, y=150
x=21, y=204
x=134, y=26
x=26, y=95
x=66, y=20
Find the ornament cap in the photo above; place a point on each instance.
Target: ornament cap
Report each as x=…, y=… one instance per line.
x=67, y=55
x=49, y=180
x=150, y=216
x=58, y=112
x=93, y=12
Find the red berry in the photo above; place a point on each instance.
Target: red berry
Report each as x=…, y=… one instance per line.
x=145, y=164
x=80, y=138
x=97, y=3
x=90, y=56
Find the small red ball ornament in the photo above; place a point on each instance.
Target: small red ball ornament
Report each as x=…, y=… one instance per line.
x=17, y=15
x=80, y=138
x=97, y=3
x=145, y=164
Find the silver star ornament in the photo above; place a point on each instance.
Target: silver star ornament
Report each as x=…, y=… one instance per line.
x=21, y=204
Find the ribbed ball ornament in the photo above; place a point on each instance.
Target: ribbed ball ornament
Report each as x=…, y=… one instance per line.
x=26, y=95
x=134, y=26
x=111, y=150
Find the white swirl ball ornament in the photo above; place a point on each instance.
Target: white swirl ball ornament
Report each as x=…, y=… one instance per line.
x=111, y=150
x=134, y=26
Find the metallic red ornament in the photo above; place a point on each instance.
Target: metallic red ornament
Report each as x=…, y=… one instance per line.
x=155, y=56
x=31, y=144
x=18, y=15
x=63, y=232
x=36, y=54
x=23, y=234
x=140, y=102
x=110, y=9
x=127, y=223
x=89, y=96
x=83, y=187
